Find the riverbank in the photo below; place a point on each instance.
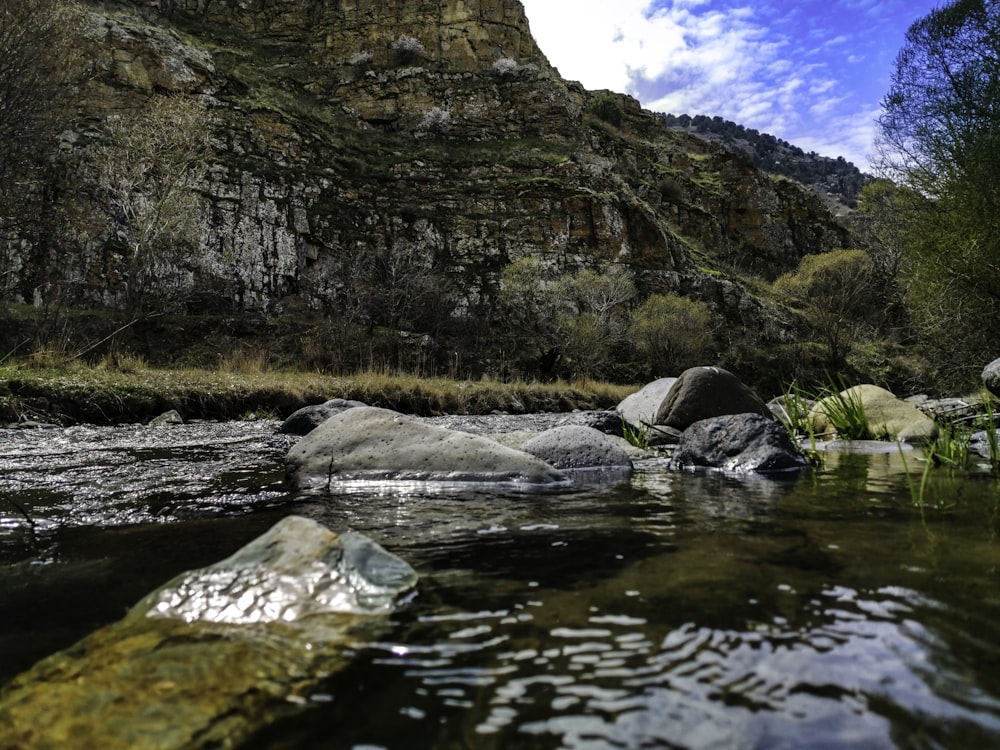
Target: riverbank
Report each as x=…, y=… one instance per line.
x=105, y=396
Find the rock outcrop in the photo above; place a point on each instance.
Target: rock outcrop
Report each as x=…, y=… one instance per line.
x=326, y=159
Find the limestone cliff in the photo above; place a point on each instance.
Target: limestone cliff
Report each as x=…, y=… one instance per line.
x=324, y=155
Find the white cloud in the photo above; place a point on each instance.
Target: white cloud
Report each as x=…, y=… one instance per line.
x=690, y=56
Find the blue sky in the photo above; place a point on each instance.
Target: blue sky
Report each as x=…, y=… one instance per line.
x=812, y=72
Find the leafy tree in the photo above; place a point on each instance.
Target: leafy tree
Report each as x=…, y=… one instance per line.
x=673, y=333
x=939, y=140
x=578, y=320
x=834, y=293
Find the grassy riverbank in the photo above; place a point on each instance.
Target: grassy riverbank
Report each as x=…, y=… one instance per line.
x=104, y=395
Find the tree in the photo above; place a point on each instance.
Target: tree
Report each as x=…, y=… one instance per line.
x=148, y=167
x=939, y=140
x=576, y=320
x=673, y=333
x=35, y=57
x=835, y=295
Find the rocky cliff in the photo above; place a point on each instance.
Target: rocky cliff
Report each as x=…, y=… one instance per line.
x=430, y=131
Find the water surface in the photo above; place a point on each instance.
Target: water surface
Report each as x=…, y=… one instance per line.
x=823, y=609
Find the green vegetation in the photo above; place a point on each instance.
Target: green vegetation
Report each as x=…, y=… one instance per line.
x=846, y=412
x=607, y=107
x=939, y=144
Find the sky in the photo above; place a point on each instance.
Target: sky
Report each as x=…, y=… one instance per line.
x=812, y=72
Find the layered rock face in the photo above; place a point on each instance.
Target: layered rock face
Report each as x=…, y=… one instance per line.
x=326, y=152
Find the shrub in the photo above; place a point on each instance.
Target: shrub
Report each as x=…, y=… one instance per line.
x=361, y=59
x=408, y=48
x=606, y=107
x=673, y=333
x=505, y=66
x=837, y=296
x=436, y=121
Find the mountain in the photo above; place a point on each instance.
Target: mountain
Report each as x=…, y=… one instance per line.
x=836, y=180
x=420, y=146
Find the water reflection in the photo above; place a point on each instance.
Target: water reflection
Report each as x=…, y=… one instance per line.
x=824, y=609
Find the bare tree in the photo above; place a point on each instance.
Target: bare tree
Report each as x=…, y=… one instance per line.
x=148, y=168
x=35, y=63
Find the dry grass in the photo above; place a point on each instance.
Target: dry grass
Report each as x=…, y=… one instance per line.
x=107, y=394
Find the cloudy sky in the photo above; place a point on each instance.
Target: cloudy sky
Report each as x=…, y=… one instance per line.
x=810, y=71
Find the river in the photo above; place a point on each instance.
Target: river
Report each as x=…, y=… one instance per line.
x=692, y=610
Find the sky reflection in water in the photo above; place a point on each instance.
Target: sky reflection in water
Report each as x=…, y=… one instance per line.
x=688, y=610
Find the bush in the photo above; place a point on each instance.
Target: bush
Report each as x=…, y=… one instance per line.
x=435, y=121
x=836, y=294
x=606, y=107
x=672, y=333
x=505, y=66
x=408, y=48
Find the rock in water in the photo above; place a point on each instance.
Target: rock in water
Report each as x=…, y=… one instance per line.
x=705, y=392
x=645, y=406
x=308, y=418
x=991, y=377
x=578, y=447
x=741, y=443
x=214, y=655
x=890, y=417
x=378, y=444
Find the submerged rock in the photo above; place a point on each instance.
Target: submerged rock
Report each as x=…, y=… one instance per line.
x=369, y=443
x=741, y=443
x=216, y=654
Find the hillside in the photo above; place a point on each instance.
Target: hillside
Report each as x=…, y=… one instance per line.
x=836, y=180
x=350, y=178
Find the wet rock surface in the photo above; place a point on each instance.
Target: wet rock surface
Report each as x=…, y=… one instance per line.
x=578, y=447
x=739, y=443
x=368, y=443
x=214, y=655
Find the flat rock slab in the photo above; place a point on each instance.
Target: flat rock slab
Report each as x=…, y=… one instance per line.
x=368, y=443
x=216, y=654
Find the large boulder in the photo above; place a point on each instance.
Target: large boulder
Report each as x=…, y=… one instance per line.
x=991, y=377
x=216, y=654
x=378, y=444
x=578, y=447
x=890, y=417
x=645, y=406
x=308, y=418
x=741, y=443
x=706, y=392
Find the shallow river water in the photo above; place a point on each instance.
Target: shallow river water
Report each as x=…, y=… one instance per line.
x=689, y=610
